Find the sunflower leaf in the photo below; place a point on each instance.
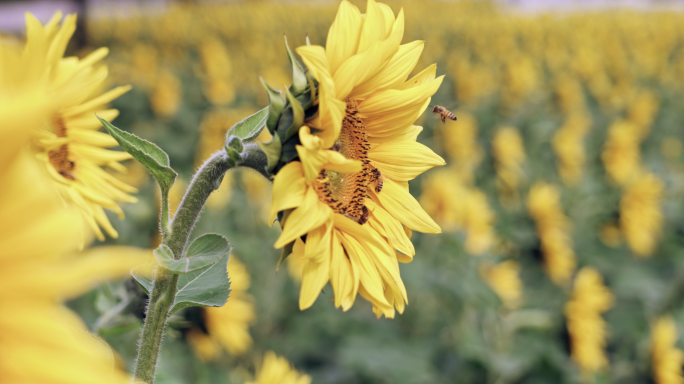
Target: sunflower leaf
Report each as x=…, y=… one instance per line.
x=192, y=262
x=208, y=286
x=299, y=82
x=249, y=128
x=148, y=154
x=143, y=281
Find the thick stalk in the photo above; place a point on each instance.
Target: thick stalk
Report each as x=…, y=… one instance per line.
x=206, y=180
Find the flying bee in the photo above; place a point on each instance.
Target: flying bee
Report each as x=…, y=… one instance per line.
x=443, y=113
x=377, y=176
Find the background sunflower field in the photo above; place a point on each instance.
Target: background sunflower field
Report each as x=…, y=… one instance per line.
x=561, y=202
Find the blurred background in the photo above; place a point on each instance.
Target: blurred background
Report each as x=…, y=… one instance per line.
x=566, y=156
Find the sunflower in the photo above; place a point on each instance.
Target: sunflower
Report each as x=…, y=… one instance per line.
x=348, y=193
x=227, y=326
x=587, y=329
x=41, y=341
x=277, y=370
x=666, y=358
x=68, y=142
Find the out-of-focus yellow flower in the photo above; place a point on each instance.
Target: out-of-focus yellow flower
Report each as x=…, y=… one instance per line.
x=543, y=203
x=570, y=95
x=509, y=155
x=456, y=206
x=587, y=329
x=69, y=143
x=460, y=144
x=41, y=341
x=643, y=111
x=218, y=87
x=641, y=218
x=505, y=281
x=610, y=235
x=620, y=154
x=167, y=95
x=227, y=327
x=568, y=144
x=666, y=358
x=277, y=370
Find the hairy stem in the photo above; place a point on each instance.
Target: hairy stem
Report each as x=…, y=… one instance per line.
x=206, y=180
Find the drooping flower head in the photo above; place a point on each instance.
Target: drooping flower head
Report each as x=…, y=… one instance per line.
x=342, y=193
x=68, y=142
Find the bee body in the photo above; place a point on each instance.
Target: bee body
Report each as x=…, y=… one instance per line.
x=443, y=113
x=376, y=176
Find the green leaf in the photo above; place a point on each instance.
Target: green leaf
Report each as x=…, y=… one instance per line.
x=299, y=82
x=187, y=264
x=298, y=116
x=249, y=128
x=287, y=251
x=143, y=281
x=209, y=286
x=209, y=244
x=152, y=157
x=276, y=104
x=272, y=150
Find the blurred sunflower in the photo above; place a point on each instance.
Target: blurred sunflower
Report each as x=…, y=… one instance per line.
x=68, y=143
x=42, y=341
x=666, y=358
x=505, y=281
x=553, y=227
x=277, y=370
x=587, y=329
x=509, y=155
x=355, y=170
x=641, y=219
x=227, y=326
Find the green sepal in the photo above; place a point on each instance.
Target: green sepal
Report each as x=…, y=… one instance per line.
x=287, y=251
x=276, y=104
x=193, y=261
x=148, y=154
x=299, y=82
x=297, y=116
x=312, y=89
x=249, y=128
x=272, y=150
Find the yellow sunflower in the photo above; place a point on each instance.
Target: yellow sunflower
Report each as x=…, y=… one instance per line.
x=587, y=329
x=666, y=358
x=68, y=142
x=277, y=370
x=348, y=194
x=41, y=341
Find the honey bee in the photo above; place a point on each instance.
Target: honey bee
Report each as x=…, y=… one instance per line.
x=377, y=176
x=365, y=215
x=443, y=113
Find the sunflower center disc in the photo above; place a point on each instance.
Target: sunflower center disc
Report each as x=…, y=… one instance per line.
x=346, y=193
x=59, y=158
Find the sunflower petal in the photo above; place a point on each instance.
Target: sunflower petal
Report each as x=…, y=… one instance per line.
x=373, y=30
x=402, y=206
x=343, y=37
x=403, y=160
x=395, y=71
x=426, y=75
x=392, y=100
x=309, y=215
x=289, y=189
x=342, y=277
x=314, y=277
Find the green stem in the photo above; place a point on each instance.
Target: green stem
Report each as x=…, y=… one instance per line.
x=206, y=180
x=164, y=213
